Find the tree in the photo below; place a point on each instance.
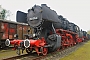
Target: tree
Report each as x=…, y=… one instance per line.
x=88, y=31
x=5, y=13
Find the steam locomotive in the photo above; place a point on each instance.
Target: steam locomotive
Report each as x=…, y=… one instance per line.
x=51, y=32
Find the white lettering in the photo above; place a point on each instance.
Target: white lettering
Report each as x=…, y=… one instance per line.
x=33, y=18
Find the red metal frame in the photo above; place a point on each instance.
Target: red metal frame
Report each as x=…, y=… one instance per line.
x=15, y=43
x=68, y=39
x=37, y=45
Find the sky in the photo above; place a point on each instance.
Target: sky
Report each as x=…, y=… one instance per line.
x=76, y=11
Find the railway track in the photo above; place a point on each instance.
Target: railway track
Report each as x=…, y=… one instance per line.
x=7, y=49
x=33, y=56
x=16, y=57
x=51, y=56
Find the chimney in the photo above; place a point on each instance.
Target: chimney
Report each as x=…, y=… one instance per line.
x=43, y=4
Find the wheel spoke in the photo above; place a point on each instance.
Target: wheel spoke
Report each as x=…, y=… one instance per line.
x=45, y=50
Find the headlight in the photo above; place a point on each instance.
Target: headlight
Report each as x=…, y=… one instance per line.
x=33, y=35
x=7, y=42
x=27, y=43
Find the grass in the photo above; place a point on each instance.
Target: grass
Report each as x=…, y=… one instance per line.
x=82, y=53
x=8, y=53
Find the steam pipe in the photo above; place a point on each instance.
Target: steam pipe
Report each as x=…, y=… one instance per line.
x=53, y=29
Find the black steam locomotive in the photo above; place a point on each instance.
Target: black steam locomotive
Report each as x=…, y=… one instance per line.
x=51, y=31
